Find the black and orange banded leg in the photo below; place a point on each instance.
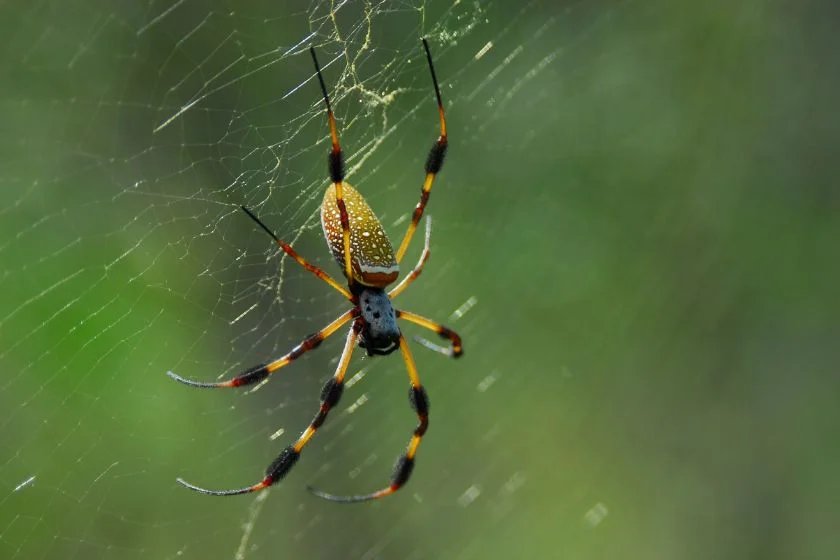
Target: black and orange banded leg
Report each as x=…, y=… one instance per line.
x=418, y=268
x=434, y=162
x=405, y=464
x=257, y=373
x=336, y=166
x=454, y=350
x=303, y=262
x=279, y=468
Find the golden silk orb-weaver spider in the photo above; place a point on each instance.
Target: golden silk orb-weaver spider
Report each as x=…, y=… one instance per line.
x=359, y=245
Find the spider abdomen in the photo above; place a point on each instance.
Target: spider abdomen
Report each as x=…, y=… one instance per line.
x=371, y=254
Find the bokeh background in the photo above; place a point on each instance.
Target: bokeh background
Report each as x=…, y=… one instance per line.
x=636, y=234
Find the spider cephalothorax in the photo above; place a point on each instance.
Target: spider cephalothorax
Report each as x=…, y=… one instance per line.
x=379, y=334
x=362, y=249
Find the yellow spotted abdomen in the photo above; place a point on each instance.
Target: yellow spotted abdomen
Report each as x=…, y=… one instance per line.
x=371, y=254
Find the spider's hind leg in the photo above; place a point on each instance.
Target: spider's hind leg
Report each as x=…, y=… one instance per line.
x=434, y=162
x=336, y=169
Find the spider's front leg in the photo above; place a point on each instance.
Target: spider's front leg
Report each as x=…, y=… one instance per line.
x=280, y=467
x=405, y=463
x=258, y=373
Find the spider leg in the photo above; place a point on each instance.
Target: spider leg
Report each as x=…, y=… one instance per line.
x=330, y=395
x=434, y=162
x=336, y=166
x=258, y=373
x=303, y=262
x=454, y=350
x=418, y=268
x=405, y=464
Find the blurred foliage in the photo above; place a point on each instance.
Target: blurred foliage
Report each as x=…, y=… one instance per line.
x=640, y=196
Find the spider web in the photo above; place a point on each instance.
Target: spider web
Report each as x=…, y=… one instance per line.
x=560, y=253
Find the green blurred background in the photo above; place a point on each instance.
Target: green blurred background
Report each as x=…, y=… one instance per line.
x=638, y=219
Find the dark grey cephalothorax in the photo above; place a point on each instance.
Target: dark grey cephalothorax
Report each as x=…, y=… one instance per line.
x=380, y=335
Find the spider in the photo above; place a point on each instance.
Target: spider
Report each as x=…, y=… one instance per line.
x=363, y=251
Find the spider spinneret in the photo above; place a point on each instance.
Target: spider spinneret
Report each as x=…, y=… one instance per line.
x=361, y=248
